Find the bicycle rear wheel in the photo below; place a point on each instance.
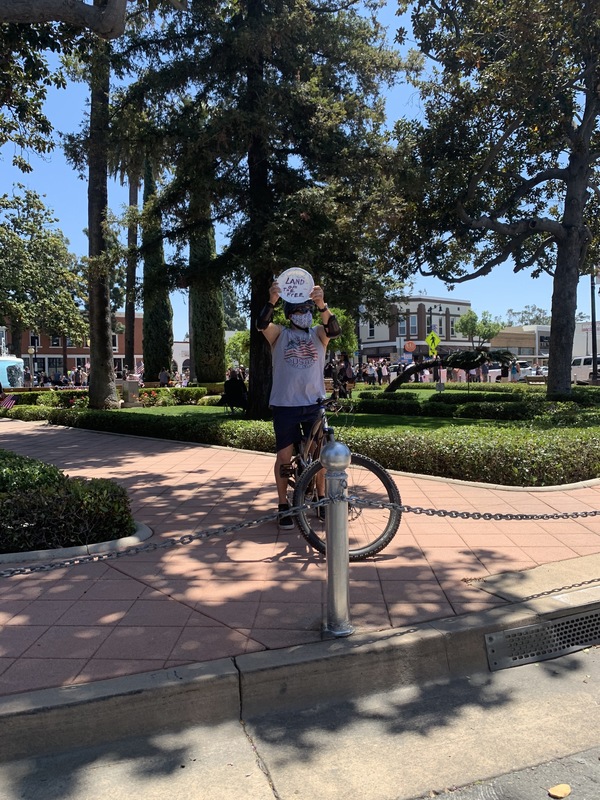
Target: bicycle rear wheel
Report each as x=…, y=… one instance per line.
x=370, y=528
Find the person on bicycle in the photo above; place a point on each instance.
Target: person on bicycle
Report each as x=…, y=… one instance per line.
x=298, y=358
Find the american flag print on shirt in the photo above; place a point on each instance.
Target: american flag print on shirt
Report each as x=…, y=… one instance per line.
x=300, y=352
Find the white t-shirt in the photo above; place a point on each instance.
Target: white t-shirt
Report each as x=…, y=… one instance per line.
x=298, y=359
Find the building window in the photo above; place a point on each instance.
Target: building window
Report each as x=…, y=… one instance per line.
x=69, y=342
x=55, y=341
x=55, y=367
x=34, y=340
x=452, y=331
x=413, y=324
x=401, y=326
x=440, y=327
x=371, y=333
x=114, y=342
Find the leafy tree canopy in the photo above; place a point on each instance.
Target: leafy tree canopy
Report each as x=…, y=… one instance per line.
x=478, y=330
x=41, y=283
x=506, y=157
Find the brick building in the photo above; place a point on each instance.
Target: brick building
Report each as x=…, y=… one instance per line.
x=48, y=352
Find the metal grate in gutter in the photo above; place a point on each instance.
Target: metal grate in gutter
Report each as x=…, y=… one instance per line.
x=549, y=639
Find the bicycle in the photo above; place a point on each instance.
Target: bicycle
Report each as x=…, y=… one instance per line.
x=370, y=528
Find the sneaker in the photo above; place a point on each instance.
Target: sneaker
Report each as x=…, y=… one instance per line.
x=286, y=522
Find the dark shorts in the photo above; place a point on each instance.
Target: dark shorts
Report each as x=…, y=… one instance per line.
x=291, y=422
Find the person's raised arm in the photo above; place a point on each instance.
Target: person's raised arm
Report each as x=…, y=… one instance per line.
x=264, y=321
x=331, y=327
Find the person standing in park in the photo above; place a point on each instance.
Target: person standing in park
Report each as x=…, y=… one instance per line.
x=298, y=358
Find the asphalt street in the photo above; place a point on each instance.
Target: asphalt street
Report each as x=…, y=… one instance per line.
x=535, y=726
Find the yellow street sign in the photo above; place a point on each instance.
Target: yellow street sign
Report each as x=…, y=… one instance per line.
x=432, y=340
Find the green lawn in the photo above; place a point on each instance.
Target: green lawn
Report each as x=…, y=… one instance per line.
x=340, y=420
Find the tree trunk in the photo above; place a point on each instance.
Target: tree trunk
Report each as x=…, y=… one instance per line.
x=564, y=307
x=102, y=386
x=261, y=374
x=258, y=212
x=570, y=256
x=130, y=278
x=106, y=19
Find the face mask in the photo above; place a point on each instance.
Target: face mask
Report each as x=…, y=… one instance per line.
x=302, y=320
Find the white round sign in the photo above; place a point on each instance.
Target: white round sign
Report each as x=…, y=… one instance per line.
x=295, y=285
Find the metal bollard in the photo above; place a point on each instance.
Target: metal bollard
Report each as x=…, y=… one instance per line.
x=335, y=457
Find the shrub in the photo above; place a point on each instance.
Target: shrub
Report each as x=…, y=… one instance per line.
x=26, y=413
x=178, y=395
x=487, y=410
x=209, y=400
x=64, y=398
x=42, y=508
x=188, y=396
x=392, y=405
x=505, y=456
x=524, y=454
x=456, y=397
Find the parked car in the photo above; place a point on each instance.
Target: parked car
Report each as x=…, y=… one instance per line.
x=525, y=369
x=582, y=369
x=495, y=372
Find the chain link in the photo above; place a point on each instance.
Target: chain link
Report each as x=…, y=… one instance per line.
x=486, y=515
x=189, y=538
x=165, y=544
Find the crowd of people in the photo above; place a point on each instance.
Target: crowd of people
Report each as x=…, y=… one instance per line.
x=74, y=378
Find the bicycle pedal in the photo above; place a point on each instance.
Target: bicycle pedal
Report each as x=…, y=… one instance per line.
x=286, y=470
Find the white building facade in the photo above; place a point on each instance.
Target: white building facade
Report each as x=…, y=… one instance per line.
x=411, y=321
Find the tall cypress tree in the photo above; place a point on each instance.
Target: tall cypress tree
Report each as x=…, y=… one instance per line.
x=102, y=384
x=294, y=127
x=207, y=329
x=158, y=311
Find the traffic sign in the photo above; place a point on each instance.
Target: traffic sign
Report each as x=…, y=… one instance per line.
x=433, y=340
x=410, y=346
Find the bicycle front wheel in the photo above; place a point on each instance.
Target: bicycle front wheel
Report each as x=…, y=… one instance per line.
x=370, y=528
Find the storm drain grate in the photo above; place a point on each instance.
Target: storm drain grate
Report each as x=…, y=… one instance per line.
x=549, y=639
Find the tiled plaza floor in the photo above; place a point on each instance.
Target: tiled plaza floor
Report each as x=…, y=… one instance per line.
x=258, y=588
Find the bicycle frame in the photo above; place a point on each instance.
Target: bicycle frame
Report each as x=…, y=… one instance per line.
x=310, y=447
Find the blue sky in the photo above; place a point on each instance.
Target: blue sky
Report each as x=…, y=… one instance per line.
x=66, y=195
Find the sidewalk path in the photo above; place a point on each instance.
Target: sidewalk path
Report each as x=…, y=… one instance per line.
x=258, y=588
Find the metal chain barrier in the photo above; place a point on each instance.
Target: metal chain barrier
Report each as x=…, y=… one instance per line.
x=357, y=501
x=187, y=538
x=486, y=515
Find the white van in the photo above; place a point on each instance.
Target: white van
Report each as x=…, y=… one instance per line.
x=581, y=369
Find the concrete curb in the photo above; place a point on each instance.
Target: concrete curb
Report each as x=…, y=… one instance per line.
x=142, y=532
x=51, y=721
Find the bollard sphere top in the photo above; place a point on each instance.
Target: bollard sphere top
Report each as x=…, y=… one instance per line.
x=335, y=456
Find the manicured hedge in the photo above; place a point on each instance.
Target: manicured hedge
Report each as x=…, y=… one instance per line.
x=42, y=508
x=539, y=452
x=175, y=396
x=504, y=456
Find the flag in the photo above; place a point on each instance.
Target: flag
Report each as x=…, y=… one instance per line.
x=9, y=401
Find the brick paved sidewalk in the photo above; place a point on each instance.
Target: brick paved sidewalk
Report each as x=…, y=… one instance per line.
x=259, y=588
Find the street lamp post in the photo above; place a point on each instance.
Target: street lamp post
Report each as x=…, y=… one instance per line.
x=361, y=311
x=32, y=350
